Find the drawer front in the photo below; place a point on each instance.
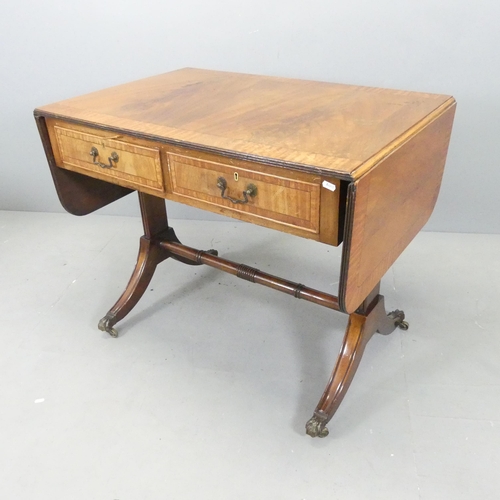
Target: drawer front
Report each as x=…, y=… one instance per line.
x=285, y=201
x=110, y=159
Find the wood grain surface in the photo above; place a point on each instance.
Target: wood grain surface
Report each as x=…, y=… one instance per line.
x=315, y=126
x=140, y=161
x=138, y=164
x=389, y=145
x=79, y=194
x=289, y=201
x=389, y=205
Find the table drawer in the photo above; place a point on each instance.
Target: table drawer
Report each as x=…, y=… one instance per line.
x=109, y=158
x=271, y=197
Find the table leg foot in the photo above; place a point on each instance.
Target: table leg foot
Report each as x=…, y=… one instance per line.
x=399, y=319
x=360, y=329
x=316, y=425
x=106, y=325
x=150, y=255
x=394, y=319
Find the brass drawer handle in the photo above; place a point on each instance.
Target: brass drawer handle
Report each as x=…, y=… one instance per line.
x=95, y=153
x=251, y=190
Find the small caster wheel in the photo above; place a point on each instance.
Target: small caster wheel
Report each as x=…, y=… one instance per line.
x=106, y=325
x=399, y=319
x=403, y=325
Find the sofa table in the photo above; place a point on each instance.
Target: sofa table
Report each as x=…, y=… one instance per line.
x=339, y=164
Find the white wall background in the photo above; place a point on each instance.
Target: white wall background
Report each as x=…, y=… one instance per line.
x=55, y=49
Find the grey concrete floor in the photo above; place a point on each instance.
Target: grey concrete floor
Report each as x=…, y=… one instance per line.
x=206, y=391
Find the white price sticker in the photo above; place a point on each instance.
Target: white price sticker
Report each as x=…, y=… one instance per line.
x=329, y=185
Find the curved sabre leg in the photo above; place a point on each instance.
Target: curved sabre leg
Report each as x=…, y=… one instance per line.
x=360, y=329
x=150, y=255
x=156, y=230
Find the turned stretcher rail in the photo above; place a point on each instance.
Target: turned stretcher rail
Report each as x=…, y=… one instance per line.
x=251, y=274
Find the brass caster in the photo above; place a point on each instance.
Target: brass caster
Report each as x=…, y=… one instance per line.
x=316, y=425
x=399, y=319
x=403, y=325
x=106, y=325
